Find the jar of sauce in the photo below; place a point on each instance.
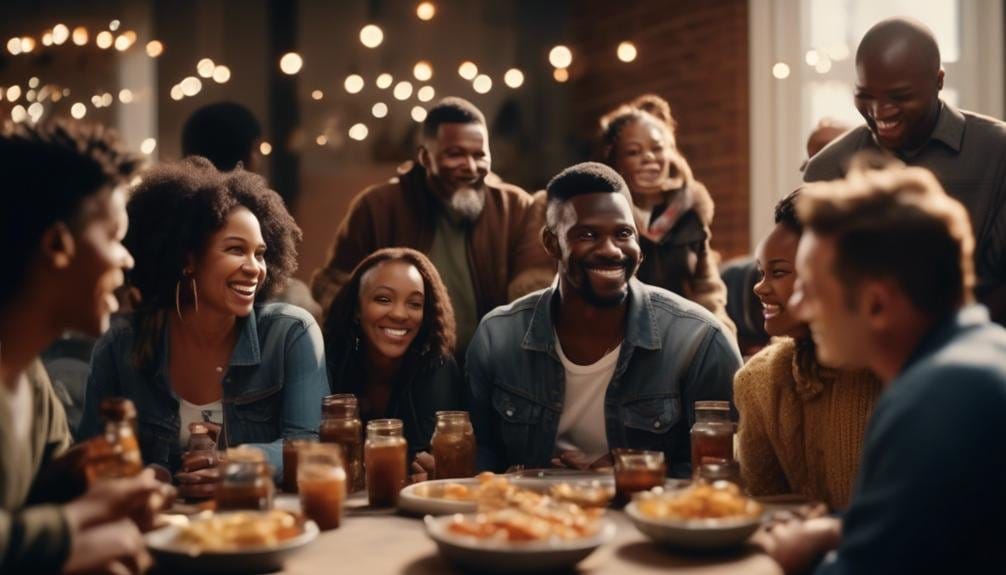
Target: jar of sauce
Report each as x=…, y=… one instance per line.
x=322, y=483
x=340, y=423
x=385, y=461
x=453, y=445
x=291, y=458
x=712, y=434
x=245, y=480
x=116, y=452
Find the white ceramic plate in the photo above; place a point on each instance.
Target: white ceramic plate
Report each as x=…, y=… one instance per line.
x=694, y=534
x=417, y=498
x=172, y=558
x=502, y=557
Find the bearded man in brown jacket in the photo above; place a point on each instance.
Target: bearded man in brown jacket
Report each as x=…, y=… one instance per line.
x=478, y=231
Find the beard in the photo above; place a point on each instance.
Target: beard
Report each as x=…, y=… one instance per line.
x=466, y=203
x=586, y=289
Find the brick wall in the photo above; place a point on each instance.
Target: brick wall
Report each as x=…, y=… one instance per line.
x=694, y=53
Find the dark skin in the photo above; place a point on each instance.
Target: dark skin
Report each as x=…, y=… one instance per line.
x=458, y=157
x=898, y=84
x=597, y=248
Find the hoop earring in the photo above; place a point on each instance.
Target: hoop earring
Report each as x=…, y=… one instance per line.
x=178, y=297
x=195, y=294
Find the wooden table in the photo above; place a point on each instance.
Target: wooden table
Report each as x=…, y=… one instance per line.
x=371, y=542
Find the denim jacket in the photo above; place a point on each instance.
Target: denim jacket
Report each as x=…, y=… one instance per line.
x=674, y=353
x=272, y=388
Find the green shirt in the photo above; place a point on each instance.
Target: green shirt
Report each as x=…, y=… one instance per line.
x=449, y=254
x=33, y=537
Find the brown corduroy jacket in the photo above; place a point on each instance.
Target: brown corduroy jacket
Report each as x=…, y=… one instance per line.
x=506, y=257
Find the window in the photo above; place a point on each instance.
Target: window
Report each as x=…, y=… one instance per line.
x=802, y=70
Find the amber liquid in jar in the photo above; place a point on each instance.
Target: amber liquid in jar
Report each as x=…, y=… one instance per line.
x=341, y=424
x=453, y=445
x=322, y=481
x=245, y=481
x=712, y=435
x=385, y=461
x=291, y=451
x=635, y=471
x=116, y=453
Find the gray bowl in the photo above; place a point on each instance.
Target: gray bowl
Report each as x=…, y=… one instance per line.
x=695, y=534
x=487, y=556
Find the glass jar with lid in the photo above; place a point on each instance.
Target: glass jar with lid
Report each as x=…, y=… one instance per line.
x=340, y=423
x=245, y=480
x=385, y=460
x=712, y=435
x=453, y=445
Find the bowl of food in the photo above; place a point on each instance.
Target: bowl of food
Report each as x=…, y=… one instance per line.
x=440, y=497
x=702, y=517
x=513, y=541
x=231, y=542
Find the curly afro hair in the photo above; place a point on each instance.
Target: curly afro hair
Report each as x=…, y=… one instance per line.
x=178, y=206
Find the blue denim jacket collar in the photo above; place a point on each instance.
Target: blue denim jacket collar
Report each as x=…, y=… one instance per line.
x=641, y=322
x=246, y=351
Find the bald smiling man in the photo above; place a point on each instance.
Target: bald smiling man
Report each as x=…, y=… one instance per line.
x=899, y=79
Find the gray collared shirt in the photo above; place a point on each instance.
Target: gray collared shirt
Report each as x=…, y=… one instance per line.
x=967, y=154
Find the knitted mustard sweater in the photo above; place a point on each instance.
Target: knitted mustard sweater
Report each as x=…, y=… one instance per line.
x=800, y=435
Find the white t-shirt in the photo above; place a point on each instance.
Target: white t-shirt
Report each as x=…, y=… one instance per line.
x=581, y=425
x=22, y=408
x=192, y=413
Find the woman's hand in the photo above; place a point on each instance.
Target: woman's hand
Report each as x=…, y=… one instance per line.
x=423, y=467
x=115, y=547
x=199, y=476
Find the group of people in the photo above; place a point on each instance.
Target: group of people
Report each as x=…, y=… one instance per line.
x=583, y=318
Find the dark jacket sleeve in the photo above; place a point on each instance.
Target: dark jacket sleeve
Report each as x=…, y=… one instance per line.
x=36, y=539
x=441, y=390
x=710, y=377
x=478, y=367
x=930, y=495
x=102, y=382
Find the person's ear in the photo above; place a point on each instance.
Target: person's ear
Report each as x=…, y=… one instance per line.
x=550, y=242
x=939, y=79
x=876, y=304
x=58, y=246
x=423, y=155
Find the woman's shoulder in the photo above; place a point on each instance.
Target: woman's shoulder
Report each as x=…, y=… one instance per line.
x=281, y=315
x=767, y=372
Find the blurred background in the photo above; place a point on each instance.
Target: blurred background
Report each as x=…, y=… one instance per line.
x=341, y=86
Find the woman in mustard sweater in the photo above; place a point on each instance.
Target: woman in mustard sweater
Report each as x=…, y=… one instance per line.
x=801, y=423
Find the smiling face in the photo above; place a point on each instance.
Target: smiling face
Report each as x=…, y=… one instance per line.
x=95, y=268
x=392, y=298
x=642, y=156
x=457, y=159
x=897, y=93
x=232, y=267
x=841, y=331
x=597, y=247
x=776, y=262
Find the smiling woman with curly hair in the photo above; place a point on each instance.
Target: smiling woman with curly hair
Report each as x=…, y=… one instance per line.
x=391, y=337
x=201, y=345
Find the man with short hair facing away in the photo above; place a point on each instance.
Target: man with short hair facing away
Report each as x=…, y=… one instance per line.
x=598, y=360
x=885, y=277
x=448, y=205
x=898, y=85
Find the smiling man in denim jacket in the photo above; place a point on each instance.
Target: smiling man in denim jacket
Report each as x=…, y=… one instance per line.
x=599, y=360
